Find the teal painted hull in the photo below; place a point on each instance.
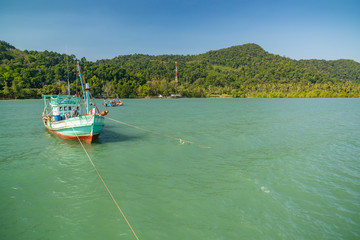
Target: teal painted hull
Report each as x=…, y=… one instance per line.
x=86, y=127
x=81, y=131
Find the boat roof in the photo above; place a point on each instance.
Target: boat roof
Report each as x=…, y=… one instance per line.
x=59, y=96
x=63, y=99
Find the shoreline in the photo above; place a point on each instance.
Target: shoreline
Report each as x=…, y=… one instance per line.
x=213, y=97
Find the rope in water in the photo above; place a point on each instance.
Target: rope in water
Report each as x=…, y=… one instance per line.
x=117, y=205
x=160, y=134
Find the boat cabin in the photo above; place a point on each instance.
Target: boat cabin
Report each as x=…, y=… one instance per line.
x=61, y=112
x=62, y=107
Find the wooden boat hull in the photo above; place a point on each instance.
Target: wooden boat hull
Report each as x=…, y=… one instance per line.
x=86, y=127
x=85, y=138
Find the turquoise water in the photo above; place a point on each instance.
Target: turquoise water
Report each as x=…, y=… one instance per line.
x=278, y=169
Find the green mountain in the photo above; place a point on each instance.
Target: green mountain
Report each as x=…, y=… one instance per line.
x=239, y=71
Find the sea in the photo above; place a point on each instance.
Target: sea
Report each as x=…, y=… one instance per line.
x=185, y=169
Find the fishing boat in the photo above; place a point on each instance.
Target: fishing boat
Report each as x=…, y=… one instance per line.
x=73, y=116
x=113, y=102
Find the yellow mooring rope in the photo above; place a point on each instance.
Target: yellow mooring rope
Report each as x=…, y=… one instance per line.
x=117, y=205
x=160, y=134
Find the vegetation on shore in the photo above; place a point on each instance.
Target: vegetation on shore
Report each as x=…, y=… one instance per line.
x=240, y=71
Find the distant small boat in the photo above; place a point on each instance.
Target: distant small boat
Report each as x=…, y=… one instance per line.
x=173, y=95
x=73, y=116
x=113, y=102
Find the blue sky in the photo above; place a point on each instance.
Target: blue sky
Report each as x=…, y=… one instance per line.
x=301, y=29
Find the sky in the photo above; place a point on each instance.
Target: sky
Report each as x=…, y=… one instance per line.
x=104, y=29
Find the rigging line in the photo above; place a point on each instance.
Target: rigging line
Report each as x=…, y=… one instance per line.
x=160, y=134
x=117, y=205
x=94, y=102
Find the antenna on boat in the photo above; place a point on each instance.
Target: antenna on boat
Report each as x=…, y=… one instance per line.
x=67, y=68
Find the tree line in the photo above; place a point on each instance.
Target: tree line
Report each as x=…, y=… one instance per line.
x=240, y=71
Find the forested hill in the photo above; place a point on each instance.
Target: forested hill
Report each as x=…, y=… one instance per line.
x=244, y=63
x=239, y=71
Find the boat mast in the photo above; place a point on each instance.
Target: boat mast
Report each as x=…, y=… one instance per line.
x=87, y=96
x=117, y=96
x=81, y=79
x=87, y=90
